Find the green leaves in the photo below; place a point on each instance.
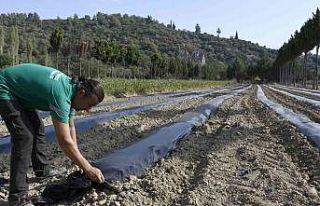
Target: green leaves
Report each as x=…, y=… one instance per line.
x=303, y=41
x=14, y=44
x=56, y=39
x=29, y=49
x=56, y=42
x=5, y=60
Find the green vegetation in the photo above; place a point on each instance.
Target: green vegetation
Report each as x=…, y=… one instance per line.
x=285, y=68
x=14, y=45
x=56, y=42
x=118, y=87
x=4, y=60
x=123, y=46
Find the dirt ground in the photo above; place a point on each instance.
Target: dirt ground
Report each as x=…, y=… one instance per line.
x=311, y=111
x=112, y=104
x=302, y=93
x=244, y=155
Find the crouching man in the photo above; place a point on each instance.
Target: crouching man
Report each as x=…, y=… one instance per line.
x=27, y=87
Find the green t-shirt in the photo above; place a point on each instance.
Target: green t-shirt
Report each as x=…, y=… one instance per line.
x=39, y=87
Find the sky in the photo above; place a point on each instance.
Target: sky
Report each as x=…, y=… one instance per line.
x=267, y=22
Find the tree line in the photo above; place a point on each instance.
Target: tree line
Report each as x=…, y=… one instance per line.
x=123, y=46
x=300, y=43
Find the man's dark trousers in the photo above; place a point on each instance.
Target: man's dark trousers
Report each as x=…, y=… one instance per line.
x=27, y=144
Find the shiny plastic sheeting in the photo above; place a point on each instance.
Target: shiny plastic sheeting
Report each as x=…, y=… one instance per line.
x=306, y=126
x=44, y=114
x=303, y=99
x=133, y=160
x=300, y=91
x=87, y=123
x=143, y=154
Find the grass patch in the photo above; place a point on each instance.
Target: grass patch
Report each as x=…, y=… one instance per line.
x=119, y=87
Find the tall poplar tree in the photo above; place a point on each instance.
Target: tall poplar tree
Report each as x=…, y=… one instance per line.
x=29, y=49
x=1, y=39
x=14, y=44
x=56, y=42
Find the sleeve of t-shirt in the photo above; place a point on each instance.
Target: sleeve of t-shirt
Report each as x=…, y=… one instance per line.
x=60, y=107
x=72, y=113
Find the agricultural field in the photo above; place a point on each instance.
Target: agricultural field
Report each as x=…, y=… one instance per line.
x=159, y=103
x=243, y=154
x=120, y=87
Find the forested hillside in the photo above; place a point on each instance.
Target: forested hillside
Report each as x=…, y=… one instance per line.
x=128, y=46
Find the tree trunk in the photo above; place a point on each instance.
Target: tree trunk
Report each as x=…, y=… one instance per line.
x=89, y=69
x=305, y=70
x=57, y=65
x=287, y=74
x=68, y=66
x=281, y=75
x=124, y=67
x=316, y=77
x=80, y=69
x=293, y=73
x=98, y=69
x=112, y=72
x=281, y=70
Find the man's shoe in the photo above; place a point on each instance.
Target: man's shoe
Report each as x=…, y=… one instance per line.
x=22, y=200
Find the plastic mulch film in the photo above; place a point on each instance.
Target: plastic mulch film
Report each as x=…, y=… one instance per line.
x=134, y=159
x=44, y=114
x=125, y=101
x=86, y=123
x=306, y=126
x=294, y=90
x=303, y=99
x=304, y=91
x=298, y=89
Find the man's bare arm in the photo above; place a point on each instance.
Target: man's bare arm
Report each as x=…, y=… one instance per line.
x=72, y=128
x=69, y=147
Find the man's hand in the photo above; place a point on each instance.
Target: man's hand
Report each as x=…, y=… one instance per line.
x=70, y=148
x=94, y=174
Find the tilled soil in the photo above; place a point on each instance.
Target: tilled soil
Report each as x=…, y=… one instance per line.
x=101, y=139
x=106, y=106
x=301, y=88
x=302, y=94
x=297, y=106
x=111, y=104
x=244, y=155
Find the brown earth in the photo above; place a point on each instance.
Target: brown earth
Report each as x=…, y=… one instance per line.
x=297, y=106
x=301, y=93
x=244, y=155
x=113, y=104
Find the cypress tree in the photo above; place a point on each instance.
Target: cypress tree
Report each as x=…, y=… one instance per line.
x=56, y=42
x=29, y=49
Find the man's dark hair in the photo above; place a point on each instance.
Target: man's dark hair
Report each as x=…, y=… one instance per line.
x=90, y=86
